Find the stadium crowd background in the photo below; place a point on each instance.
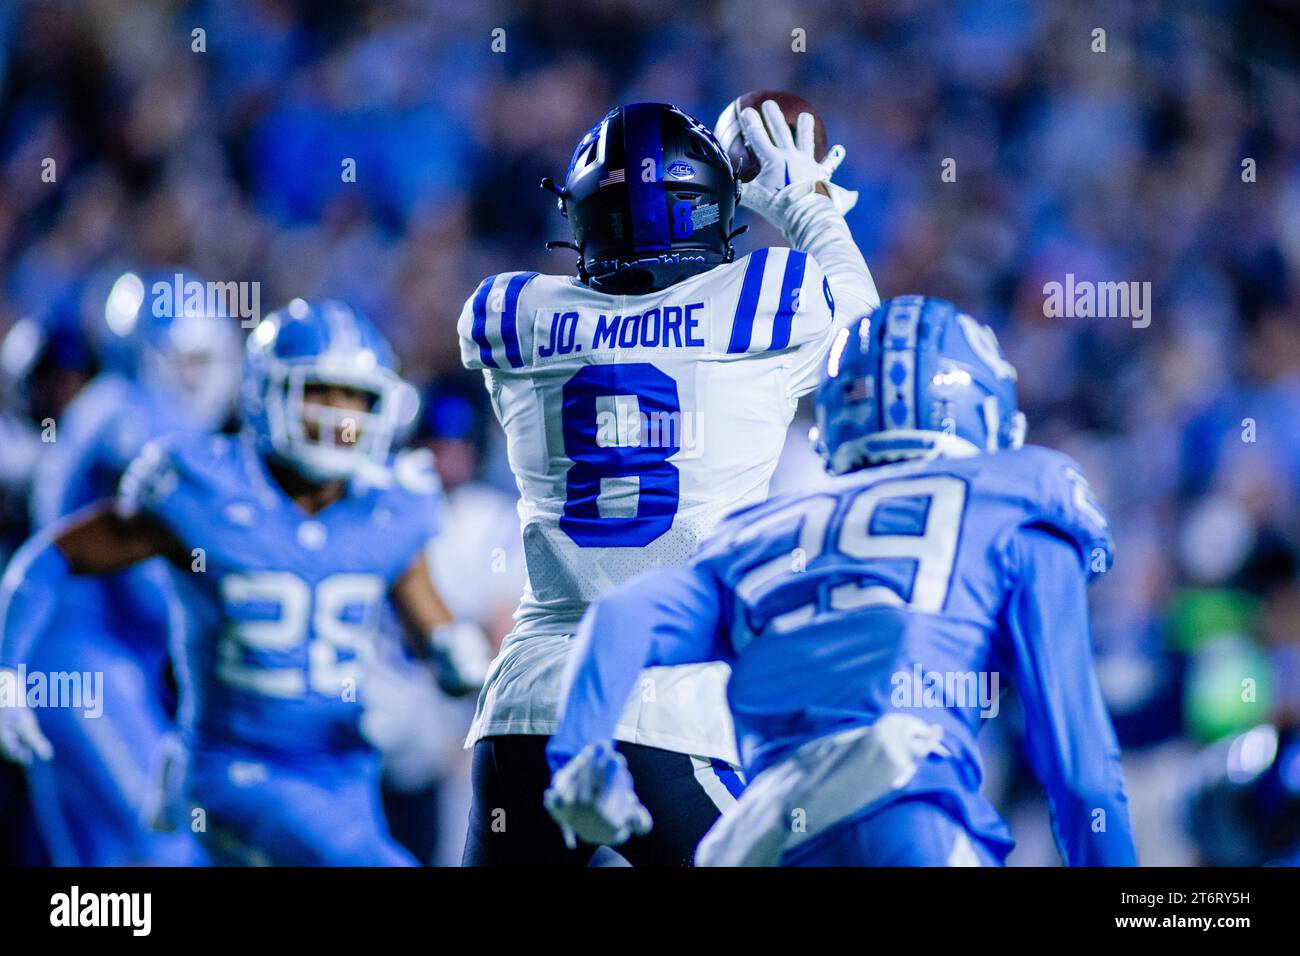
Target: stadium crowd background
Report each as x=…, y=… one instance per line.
x=1118, y=165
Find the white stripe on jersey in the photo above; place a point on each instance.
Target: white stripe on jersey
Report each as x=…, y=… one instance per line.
x=769, y=300
x=496, y=301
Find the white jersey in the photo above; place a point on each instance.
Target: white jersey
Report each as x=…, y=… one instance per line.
x=633, y=424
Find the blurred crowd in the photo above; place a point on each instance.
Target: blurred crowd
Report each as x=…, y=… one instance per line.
x=138, y=134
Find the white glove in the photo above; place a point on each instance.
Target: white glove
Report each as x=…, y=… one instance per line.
x=787, y=169
x=21, y=739
x=592, y=798
x=461, y=651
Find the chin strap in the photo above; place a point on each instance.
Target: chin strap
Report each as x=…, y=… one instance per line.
x=560, y=194
x=556, y=244
x=731, y=250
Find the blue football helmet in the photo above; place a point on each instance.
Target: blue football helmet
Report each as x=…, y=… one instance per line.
x=323, y=343
x=914, y=379
x=650, y=195
x=44, y=358
x=175, y=337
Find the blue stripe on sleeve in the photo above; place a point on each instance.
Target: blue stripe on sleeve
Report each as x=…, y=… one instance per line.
x=791, y=282
x=742, y=326
x=480, y=322
x=509, y=324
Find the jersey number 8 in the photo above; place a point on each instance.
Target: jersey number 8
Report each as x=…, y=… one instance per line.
x=597, y=461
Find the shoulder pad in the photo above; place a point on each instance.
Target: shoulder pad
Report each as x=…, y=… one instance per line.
x=1066, y=505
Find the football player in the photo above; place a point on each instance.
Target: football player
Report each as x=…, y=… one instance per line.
x=868, y=627
x=45, y=359
x=283, y=542
x=177, y=372
x=642, y=400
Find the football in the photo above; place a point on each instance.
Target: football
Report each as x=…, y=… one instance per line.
x=729, y=134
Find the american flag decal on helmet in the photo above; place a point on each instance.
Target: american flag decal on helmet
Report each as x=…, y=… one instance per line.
x=860, y=389
x=615, y=176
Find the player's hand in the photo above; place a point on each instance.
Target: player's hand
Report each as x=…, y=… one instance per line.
x=593, y=800
x=462, y=655
x=21, y=739
x=787, y=169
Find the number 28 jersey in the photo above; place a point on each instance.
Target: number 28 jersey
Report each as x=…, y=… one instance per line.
x=280, y=606
x=633, y=424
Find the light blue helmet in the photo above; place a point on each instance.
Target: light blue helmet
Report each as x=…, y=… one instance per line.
x=914, y=379
x=164, y=329
x=324, y=342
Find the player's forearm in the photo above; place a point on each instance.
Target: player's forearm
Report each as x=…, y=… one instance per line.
x=1069, y=737
x=29, y=591
x=419, y=605
x=96, y=540
x=100, y=540
x=606, y=658
x=459, y=649
x=812, y=225
x=1084, y=782
x=1076, y=757
x=1092, y=824
x=1072, y=747
x=663, y=617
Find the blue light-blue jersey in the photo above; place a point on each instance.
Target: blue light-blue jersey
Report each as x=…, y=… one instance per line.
x=281, y=606
x=923, y=587
x=102, y=430
x=99, y=434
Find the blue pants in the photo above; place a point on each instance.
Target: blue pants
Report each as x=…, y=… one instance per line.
x=89, y=801
x=909, y=832
x=249, y=809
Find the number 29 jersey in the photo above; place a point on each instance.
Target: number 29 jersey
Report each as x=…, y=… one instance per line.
x=908, y=598
x=633, y=424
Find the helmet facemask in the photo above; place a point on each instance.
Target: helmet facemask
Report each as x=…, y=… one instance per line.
x=327, y=441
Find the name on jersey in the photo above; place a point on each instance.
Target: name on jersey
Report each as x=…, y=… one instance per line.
x=662, y=327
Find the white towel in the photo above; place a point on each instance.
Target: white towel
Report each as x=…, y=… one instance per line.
x=815, y=787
